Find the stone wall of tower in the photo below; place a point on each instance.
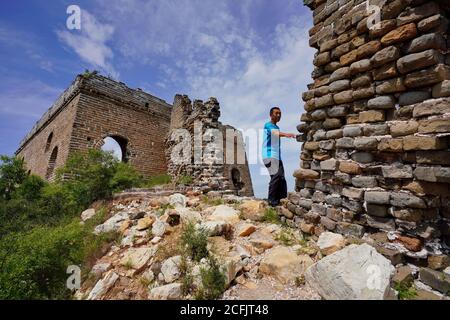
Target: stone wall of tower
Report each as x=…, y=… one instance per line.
x=209, y=173
x=376, y=128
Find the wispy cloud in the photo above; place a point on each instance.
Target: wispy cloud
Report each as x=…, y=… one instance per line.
x=91, y=43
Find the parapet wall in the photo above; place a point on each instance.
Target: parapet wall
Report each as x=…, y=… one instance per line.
x=376, y=127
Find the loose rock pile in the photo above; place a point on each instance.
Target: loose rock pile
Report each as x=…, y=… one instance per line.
x=375, y=161
x=259, y=259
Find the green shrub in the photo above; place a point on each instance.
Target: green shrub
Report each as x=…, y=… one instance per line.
x=405, y=291
x=213, y=281
x=12, y=174
x=125, y=177
x=33, y=264
x=271, y=216
x=195, y=241
x=185, y=180
x=154, y=181
x=40, y=233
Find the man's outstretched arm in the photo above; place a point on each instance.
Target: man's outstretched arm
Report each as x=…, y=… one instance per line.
x=284, y=135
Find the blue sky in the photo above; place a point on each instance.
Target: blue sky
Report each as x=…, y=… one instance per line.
x=249, y=54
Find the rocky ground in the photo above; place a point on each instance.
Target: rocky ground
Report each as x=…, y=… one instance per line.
x=261, y=258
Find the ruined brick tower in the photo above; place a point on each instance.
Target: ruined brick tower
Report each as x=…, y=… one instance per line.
x=226, y=169
x=376, y=128
x=95, y=107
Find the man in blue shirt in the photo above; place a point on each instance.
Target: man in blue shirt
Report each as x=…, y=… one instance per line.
x=272, y=157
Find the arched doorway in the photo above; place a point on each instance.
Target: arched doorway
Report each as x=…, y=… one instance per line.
x=117, y=145
x=236, y=179
x=52, y=164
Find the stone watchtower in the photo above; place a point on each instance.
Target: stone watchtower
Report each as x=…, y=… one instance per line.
x=376, y=128
x=221, y=166
x=95, y=107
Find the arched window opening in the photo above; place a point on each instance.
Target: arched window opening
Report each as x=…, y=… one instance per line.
x=49, y=142
x=236, y=179
x=117, y=145
x=52, y=163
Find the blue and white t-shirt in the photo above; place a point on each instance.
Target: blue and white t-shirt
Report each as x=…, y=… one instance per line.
x=271, y=142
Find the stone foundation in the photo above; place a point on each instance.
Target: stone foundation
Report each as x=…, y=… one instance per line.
x=376, y=128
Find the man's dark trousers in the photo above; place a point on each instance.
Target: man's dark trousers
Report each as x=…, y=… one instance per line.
x=277, y=185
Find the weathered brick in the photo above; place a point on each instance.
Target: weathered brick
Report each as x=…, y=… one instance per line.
x=419, y=60
x=400, y=34
x=423, y=143
x=371, y=116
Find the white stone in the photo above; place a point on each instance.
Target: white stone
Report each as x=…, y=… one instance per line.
x=102, y=286
x=137, y=258
x=215, y=228
x=168, y=292
x=112, y=224
x=159, y=228
x=87, y=214
x=284, y=264
x=178, y=200
x=329, y=242
x=170, y=269
x=100, y=268
x=353, y=273
x=224, y=213
x=187, y=215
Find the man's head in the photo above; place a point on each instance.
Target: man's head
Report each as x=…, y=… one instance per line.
x=275, y=114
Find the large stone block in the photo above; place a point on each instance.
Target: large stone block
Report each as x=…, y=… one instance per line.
x=371, y=116
x=403, y=33
x=382, y=102
x=419, y=60
x=427, y=41
x=432, y=107
x=427, y=76
x=384, y=56
x=440, y=125
x=397, y=171
x=423, y=143
x=344, y=275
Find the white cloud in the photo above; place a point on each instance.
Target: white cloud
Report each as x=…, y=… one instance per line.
x=90, y=43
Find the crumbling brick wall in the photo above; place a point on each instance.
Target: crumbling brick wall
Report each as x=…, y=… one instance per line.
x=376, y=126
x=209, y=173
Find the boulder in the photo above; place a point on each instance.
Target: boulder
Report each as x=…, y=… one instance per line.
x=224, y=213
x=357, y=272
x=171, y=291
x=245, y=230
x=253, y=210
x=187, y=215
x=330, y=243
x=178, y=200
x=159, y=228
x=87, y=214
x=145, y=223
x=137, y=258
x=170, y=269
x=102, y=286
x=284, y=264
x=112, y=224
x=216, y=228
